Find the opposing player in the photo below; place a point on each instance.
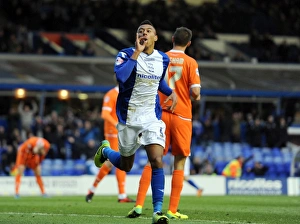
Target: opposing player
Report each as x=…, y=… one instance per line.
x=140, y=73
x=31, y=154
x=109, y=116
x=183, y=77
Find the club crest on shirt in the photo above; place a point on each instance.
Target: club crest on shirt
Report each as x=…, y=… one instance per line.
x=119, y=61
x=150, y=67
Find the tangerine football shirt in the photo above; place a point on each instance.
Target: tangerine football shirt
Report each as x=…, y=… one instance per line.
x=29, y=144
x=109, y=110
x=27, y=157
x=184, y=68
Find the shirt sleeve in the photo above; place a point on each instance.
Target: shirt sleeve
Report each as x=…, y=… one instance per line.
x=124, y=66
x=164, y=88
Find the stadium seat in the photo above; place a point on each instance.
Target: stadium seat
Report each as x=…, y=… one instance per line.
x=219, y=166
x=227, y=151
x=197, y=148
x=237, y=146
x=258, y=156
x=168, y=163
x=287, y=168
x=268, y=161
x=228, y=157
x=28, y=172
x=271, y=173
x=236, y=149
x=266, y=151
x=141, y=157
x=285, y=150
x=69, y=167
x=246, y=151
x=79, y=167
x=279, y=166
x=248, y=175
x=57, y=167
x=276, y=152
x=46, y=167
x=248, y=164
x=227, y=145
x=277, y=160
x=287, y=156
x=216, y=151
x=217, y=146
x=199, y=154
x=282, y=174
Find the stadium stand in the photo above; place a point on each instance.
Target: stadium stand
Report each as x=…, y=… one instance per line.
x=208, y=20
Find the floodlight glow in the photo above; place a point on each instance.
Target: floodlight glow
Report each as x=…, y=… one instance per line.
x=63, y=94
x=20, y=93
x=82, y=96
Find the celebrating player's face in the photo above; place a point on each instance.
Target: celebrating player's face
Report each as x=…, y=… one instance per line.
x=148, y=34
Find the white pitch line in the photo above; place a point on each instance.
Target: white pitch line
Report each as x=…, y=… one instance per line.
x=119, y=217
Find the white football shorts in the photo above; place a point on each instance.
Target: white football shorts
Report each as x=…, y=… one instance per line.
x=132, y=137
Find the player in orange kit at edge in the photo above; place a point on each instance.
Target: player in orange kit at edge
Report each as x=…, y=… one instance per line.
x=183, y=77
x=30, y=154
x=109, y=116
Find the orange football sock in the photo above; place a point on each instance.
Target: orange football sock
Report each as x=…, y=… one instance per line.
x=121, y=178
x=17, y=183
x=104, y=170
x=40, y=183
x=144, y=184
x=176, y=188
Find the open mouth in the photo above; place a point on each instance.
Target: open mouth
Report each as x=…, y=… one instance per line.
x=143, y=40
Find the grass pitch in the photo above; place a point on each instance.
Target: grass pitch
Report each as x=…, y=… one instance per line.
x=106, y=209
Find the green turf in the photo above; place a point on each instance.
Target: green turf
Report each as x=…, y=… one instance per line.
x=106, y=209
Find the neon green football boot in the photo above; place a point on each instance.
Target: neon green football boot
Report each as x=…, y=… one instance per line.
x=176, y=215
x=135, y=212
x=99, y=158
x=159, y=218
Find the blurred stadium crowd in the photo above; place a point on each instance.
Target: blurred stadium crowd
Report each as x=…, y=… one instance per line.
x=259, y=20
x=74, y=135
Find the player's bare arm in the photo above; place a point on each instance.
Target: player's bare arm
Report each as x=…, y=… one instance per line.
x=195, y=93
x=173, y=98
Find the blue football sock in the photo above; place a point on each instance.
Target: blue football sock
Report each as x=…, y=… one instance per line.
x=113, y=156
x=158, y=187
x=193, y=184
